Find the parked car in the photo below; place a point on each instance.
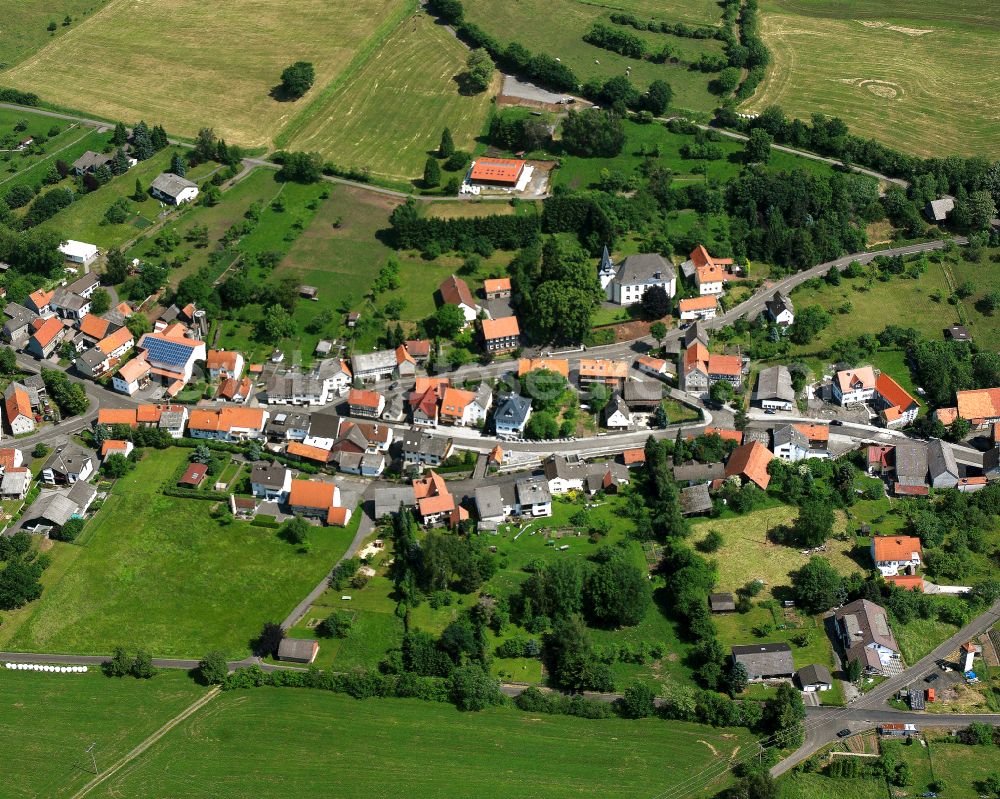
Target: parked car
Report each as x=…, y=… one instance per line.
x=836, y=423
x=843, y=733
x=933, y=677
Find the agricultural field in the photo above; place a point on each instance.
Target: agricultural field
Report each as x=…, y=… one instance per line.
x=118, y=64
x=388, y=117
x=162, y=571
x=903, y=72
x=84, y=220
x=557, y=27
x=985, y=278
x=48, y=720
x=696, y=12
x=403, y=747
x=54, y=140
x=25, y=30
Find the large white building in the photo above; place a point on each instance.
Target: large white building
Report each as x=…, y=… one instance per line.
x=626, y=283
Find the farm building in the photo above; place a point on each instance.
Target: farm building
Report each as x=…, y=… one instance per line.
x=506, y=172
x=298, y=650
x=765, y=661
x=78, y=252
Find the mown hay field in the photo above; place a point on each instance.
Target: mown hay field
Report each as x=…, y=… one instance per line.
x=190, y=64
x=692, y=12
x=24, y=25
x=919, y=76
x=388, y=117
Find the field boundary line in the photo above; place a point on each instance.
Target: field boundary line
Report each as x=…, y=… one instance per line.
x=49, y=156
x=379, y=37
x=146, y=744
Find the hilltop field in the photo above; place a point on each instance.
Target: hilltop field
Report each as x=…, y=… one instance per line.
x=919, y=76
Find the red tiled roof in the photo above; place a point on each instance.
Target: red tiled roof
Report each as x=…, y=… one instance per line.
x=982, y=403
x=455, y=401
x=311, y=494
x=601, y=367
x=724, y=434
x=814, y=432
x=18, y=404
x=700, y=257
x=705, y=303
x=430, y=485
x=557, y=365
x=111, y=416
x=300, y=450
x=911, y=582
x=899, y=547
x=41, y=297
x=221, y=359
x=418, y=348
x=338, y=516
x=455, y=291
x=497, y=170
x=47, y=331
x=194, y=474
x=696, y=356
x=94, y=326
x=636, y=455
x=8, y=456
x=725, y=365
x=113, y=445
x=134, y=369
x=750, y=461
x=116, y=340
x=504, y=327
x=893, y=393
x=852, y=379
x=493, y=284
x=361, y=398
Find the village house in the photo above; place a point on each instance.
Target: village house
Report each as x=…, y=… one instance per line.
x=313, y=499
x=765, y=661
x=496, y=288
x=511, y=417
x=106, y=354
x=17, y=405
x=703, y=307
x=419, y=349
x=695, y=500
x=749, y=463
x=728, y=368
x=38, y=302
x=895, y=405
x=15, y=483
x=942, y=465
x=796, y=442
x=434, y=500
x=79, y=253
x=223, y=364
x=381, y=365
x=774, y=389
x=525, y=366
x=910, y=467
x=425, y=399
x=421, y=448
x=365, y=403
x=171, y=358
x=779, y=310
x=46, y=338
x=93, y=328
x=455, y=291
x=132, y=377
x=533, y=497
x=634, y=276
x=645, y=396
x=501, y=335
x=866, y=637
x=173, y=189
x=603, y=371
x=657, y=367
x=616, y=413
x=288, y=426
x=494, y=503
x=710, y=274
x=298, y=650
x=227, y=424
x=368, y=464
x=115, y=446
x=18, y=325
x=980, y=407
x=67, y=465
x=694, y=370
x=854, y=386
x=814, y=677
x=466, y=408
x=896, y=554
x=232, y=389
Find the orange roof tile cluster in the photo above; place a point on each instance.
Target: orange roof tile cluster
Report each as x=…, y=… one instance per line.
x=124, y=309
x=111, y=445
x=497, y=170
x=110, y=416
x=980, y=403
x=893, y=393
x=651, y=363
x=232, y=387
x=432, y=495
x=695, y=357
x=299, y=450
x=418, y=348
x=362, y=398
x=750, y=462
x=528, y=365
x=426, y=401
x=814, y=432
x=710, y=274
x=911, y=582
x=18, y=403
x=700, y=257
x=496, y=455
x=895, y=547
x=338, y=516
x=964, y=482
x=856, y=379
x=603, y=368
x=94, y=326
x=226, y=419
x=455, y=291
x=41, y=298
x=439, y=384
x=47, y=331
x=311, y=494
x=504, y=327
x=134, y=370
x=8, y=457
x=632, y=456
x=731, y=365
x=454, y=402
x=495, y=284
x=724, y=434
x=705, y=303
x=221, y=359
x=946, y=415
x=116, y=340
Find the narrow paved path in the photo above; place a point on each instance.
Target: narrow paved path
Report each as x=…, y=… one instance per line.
x=152, y=739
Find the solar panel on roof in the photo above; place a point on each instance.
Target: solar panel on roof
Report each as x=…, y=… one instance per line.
x=168, y=352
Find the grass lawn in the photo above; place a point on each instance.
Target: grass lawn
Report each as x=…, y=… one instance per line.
x=695, y=12
x=557, y=27
x=985, y=277
x=390, y=114
x=83, y=219
x=576, y=172
x=48, y=720
x=160, y=570
x=748, y=553
x=175, y=79
x=920, y=636
x=404, y=747
x=25, y=30
x=903, y=72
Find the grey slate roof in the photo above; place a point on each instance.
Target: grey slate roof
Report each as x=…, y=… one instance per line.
x=513, y=411
x=324, y=424
x=642, y=392
x=644, y=268
x=388, y=499
x=721, y=602
x=815, y=674
x=941, y=459
x=92, y=160
x=774, y=383
x=269, y=475
x=296, y=648
x=695, y=499
x=170, y=184
x=765, y=660
x=778, y=303
x=911, y=463
x=863, y=622
x=695, y=333
x=420, y=442
x=699, y=472
x=69, y=460
x=489, y=502
x=788, y=434
x=938, y=210
x=533, y=491
x=93, y=357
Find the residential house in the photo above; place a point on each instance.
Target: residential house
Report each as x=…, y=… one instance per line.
x=115, y=446
x=725, y=367
x=69, y=463
x=634, y=457
x=565, y=474
x=749, y=462
x=53, y=509
x=228, y=424
x=601, y=370
x=796, y=442
x=616, y=413
x=701, y=307
x=980, y=407
x=308, y=452
x=434, y=500
x=419, y=349
x=106, y=354
x=854, y=386
x=455, y=291
x=937, y=210
x=635, y=275
x=643, y=395
x=501, y=335
x=895, y=405
x=223, y=364
x=91, y=162
x=288, y=426
x=425, y=400
x=694, y=377
x=331, y=377
x=466, y=408
x=16, y=482
x=779, y=309
x=313, y=499
x=38, y=302
x=765, y=661
x=368, y=464
x=10, y=458
x=18, y=325
x=710, y=274
x=694, y=473
x=511, y=417
x=171, y=358
x=270, y=481
x=374, y=366
x=78, y=252
x=815, y=677
x=910, y=467
x=46, y=338
x=424, y=449
x=866, y=637
x=389, y=500
x=17, y=405
x=173, y=189
x=493, y=505
x=93, y=328
x=132, y=377
x=232, y=389
x=525, y=366
x=365, y=403
x=497, y=288
x=533, y=497
x=895, y=554
x=942, y=465
x=774, y=389
x=657, y=367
